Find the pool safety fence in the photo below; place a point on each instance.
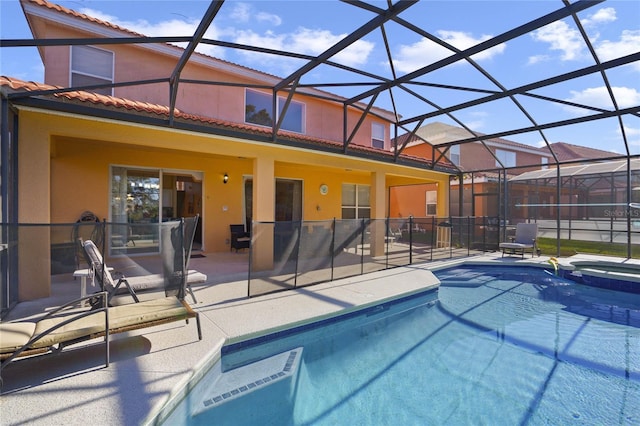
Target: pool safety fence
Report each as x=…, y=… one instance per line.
x=33, y=254
x=287, y=255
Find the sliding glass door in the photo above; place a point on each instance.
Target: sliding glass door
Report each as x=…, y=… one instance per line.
x=142, y=198
x=135, y=209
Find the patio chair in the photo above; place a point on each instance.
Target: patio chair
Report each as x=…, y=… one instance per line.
x=65, y=326
x=525, y=239
x=136, y=285
x=87, y=227
x=395, y=231
x=240, y=239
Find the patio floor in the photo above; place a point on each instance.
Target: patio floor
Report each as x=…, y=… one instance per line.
x=147, y=366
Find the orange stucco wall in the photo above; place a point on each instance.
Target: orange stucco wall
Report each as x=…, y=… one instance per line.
x=410, y=200
x=65, y=161
x=475, y=156
x=422, y=150
x=132, y=63
x=81, y=151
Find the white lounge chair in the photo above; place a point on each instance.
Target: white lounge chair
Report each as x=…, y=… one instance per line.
x=525, y=239
x=66, y=325
x=151, y=282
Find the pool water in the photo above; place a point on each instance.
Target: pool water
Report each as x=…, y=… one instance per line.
x=498, y=346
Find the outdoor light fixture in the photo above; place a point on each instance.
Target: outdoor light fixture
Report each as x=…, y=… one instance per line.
x=225, y=178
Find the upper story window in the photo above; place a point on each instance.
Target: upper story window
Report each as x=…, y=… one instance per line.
x=454, y=154
x=377, y=135
x=258, y=110
x=545, y=163
x=507, y=158
x=90, y=65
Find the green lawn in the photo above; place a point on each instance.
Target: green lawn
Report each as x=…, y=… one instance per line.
x=548, y=246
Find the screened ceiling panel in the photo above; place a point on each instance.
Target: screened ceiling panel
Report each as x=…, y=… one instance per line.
x=532, y=72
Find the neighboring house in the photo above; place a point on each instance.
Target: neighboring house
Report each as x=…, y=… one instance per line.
x=487, y=156
x=566, y=152
x=481, y=190
x=128, y=156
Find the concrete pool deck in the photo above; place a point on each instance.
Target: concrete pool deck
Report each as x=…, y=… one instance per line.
x=149, y=365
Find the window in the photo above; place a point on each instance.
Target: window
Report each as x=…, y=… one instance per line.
x=507, y=158
x=355, y=201
x=377, y=135
x=545, y=163
x=454, y=154
x=258, y=110
x=294, y=118
x=432, y=202
x=90, y=65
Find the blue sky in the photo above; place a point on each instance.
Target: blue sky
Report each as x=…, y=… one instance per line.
x=311, y=27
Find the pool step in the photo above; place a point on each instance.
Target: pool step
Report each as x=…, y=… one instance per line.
x=249, y=378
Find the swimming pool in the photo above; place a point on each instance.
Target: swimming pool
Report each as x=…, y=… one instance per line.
x=497, y=346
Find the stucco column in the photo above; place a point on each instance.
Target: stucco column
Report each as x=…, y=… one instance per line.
x=443, y=197
x=264, y=189
x=378, y=209
x=34, y=200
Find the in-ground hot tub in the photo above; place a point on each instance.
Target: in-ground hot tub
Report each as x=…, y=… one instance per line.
x=614, y=274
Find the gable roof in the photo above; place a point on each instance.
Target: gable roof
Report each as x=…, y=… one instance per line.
x=438, y=134
x=70, y=12
x=566, y=152
x=38, y=8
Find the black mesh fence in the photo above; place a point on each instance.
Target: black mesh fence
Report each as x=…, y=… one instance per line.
x=48, y=260
x=286, y=255
x=35, y=259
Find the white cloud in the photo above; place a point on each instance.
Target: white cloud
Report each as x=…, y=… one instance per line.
x=538, y=58
x=561, y=37
x=307, y=41
x=630, y=131
x=270, y=18
x=241, y=12
x=268, y=40
x=604, y=15
x=173, y=27
x=628, y=43
x=633, y=135
x=475, y=125
x=599, y=97
x=424, y=52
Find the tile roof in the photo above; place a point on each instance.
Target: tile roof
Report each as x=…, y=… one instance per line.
x=566, y=152
x=17, y=85
x=441, y=133
x=10, y=86
x=71, y=12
